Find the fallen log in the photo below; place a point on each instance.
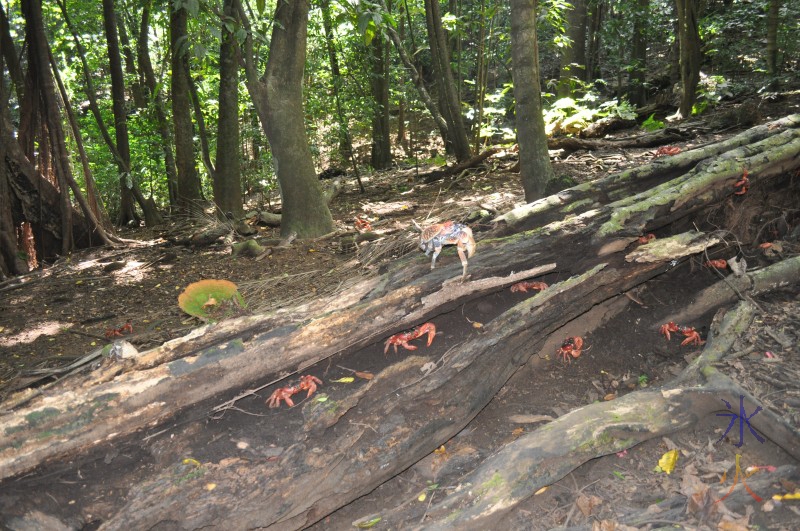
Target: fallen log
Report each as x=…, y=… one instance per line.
x=365, y=436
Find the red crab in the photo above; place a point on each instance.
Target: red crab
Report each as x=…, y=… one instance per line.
x=667, y=151
x=668, y=328
x=309, y=383
x=742, y=184
x=282, y=393
x=433, y=238
x=525, y=285
x=719, y=264
x=571, y=346
x=692, y=336
x=403, y=338
x=647, y=238
x=362, y=224
x=127, y=328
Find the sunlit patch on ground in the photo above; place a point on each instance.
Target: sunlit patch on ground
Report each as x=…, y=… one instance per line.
x=46, y=328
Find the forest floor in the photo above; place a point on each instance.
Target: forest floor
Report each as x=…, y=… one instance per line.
x=70, y=308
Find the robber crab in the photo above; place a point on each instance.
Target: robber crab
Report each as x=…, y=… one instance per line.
x=525, y=285
x=307, y=383
x=571, y=346
x=403, y=338
x=362, y=224
x=436, y=236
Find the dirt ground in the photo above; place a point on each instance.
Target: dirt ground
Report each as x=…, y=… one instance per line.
x=70, y=308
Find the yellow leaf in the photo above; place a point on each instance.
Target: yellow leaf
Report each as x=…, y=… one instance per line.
x=78, y=283
x=211, y=486
x=422, y=497
x=322, y=398
x=540, y=491
x=312, y=250
x=792, y=496
x=668, y=461
x=476, y=324
x=440, y=450
x=190, y=461
x=346, y=379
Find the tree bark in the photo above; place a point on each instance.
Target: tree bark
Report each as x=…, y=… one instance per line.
x=641, y=20
x=573, y=58
x=336, y=453
x=690, y=54
x=157, y=98
x=278, y=98
x=534, y=159
x=381, y=153
x=227, y=176
x=448, y=95
x=771, y=51
x=188, y=180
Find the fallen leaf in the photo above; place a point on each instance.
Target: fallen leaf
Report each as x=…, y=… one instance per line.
x=667, y=462
x=346, y=379
x=364, y=375
x=517, y=432
x=540, y=491
x=367, y=523
x=422, y=497
x=441, y=450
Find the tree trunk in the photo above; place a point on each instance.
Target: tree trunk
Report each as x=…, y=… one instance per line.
x=342, y=448
x=451, y=106
x=381, y=153
x=771, y=51
x=227, y=176
x=641, y=21
x=573, y=58
x=188, y=180
x=596, y=19
x=158, y=103
x=534, y=159
x=689, y=39
x=127, y=212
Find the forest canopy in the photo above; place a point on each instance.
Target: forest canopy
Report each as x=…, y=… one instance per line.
x=121, y=112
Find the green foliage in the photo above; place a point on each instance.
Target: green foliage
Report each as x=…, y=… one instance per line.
x=568, y=115
x=651, y=124
x=710, y=91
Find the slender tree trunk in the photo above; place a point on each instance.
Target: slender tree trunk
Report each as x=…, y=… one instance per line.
x=156, y=95
x=381, y=156
x=130, y=64
x=535, y=169
x=127, y=211
x=773, y=21
x=573, y=60
x=345, y=144
x=188, y=180
x=451, y=106
x=227, y=178
x=596, y=18
x=689, y=39
x=641, y=18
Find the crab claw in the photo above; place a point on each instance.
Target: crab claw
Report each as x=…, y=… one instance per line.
x=428, y=328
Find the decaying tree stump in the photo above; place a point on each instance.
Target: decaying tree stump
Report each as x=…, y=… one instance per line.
x=350, y=445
